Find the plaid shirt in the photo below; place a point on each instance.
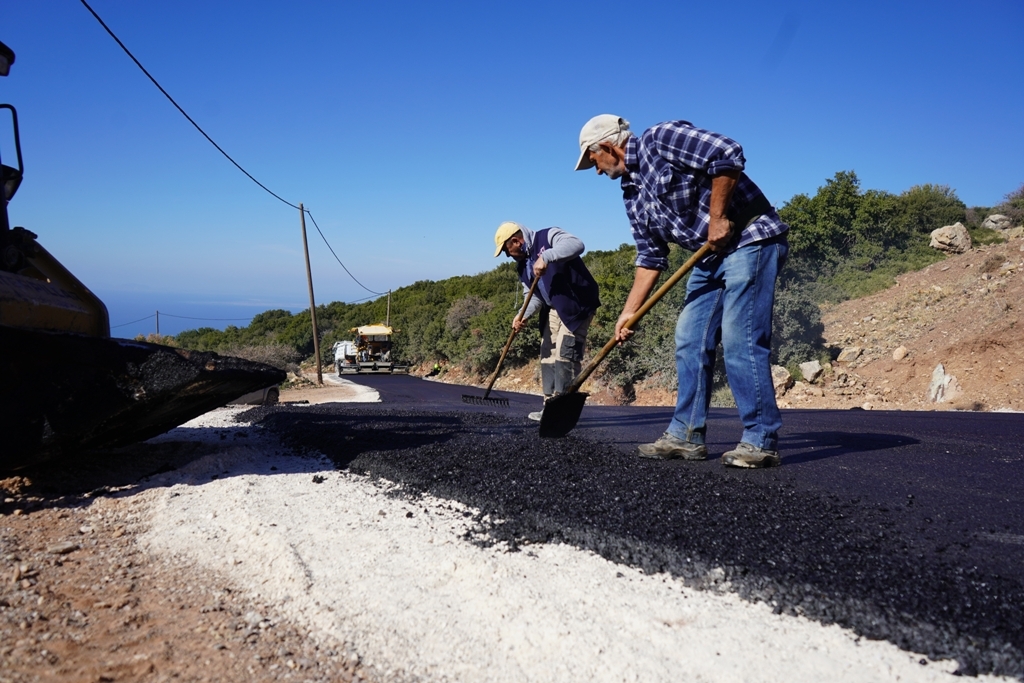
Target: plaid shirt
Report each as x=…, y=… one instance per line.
x=667, y=190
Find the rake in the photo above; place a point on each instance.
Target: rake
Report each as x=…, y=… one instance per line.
x=483, y=400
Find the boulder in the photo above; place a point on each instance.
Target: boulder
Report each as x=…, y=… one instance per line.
x=900, y=353
x=943, y=387
x=849, y=354
x=781, y=379
x=952, y=239
x=811, y=370
x=997, y=221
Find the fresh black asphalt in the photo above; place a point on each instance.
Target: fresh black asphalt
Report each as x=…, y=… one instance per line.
x=903, y=526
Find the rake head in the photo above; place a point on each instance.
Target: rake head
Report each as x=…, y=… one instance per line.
x=483, y=401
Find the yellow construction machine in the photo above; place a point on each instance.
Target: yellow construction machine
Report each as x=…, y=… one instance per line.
x=370, y=351
x=65, y=386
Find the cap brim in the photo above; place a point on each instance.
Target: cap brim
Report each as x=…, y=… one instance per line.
x=497, y=252
x=584, y=163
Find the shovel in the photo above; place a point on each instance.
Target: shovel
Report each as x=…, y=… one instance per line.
x=562, y=412
x=483, y=400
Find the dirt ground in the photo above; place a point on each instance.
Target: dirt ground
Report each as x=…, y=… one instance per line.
x=963, y=313
x=80, y=600
x=311, y=393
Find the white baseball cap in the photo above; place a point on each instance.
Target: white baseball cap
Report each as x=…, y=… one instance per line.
x=598, y=129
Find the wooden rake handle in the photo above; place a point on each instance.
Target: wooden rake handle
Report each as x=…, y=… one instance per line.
x=508, y=344
x=635, y=318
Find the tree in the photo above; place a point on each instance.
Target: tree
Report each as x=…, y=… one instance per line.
x=924, y=208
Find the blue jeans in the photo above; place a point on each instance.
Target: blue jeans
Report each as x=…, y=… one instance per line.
x=729, y=300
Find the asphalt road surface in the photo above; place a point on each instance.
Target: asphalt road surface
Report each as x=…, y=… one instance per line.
x=904, y=526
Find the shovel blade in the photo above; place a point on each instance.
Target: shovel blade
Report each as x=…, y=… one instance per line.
x=561, y=413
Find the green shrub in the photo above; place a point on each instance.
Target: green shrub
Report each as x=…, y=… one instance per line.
x=982, y=236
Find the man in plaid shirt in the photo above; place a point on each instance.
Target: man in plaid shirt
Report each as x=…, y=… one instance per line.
x=685, y=185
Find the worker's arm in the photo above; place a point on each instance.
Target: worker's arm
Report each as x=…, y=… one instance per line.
x=563, y=247
x=643, y=283
x=518, y=322
x=719, y=227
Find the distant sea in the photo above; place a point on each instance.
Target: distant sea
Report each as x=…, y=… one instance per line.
x=135, y=313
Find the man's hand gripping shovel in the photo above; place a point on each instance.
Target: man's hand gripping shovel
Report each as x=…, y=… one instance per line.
x=562, y=412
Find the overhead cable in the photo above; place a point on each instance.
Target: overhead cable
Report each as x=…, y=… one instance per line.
x=178, y=107
x=219, y=149
x=339, y=260
x=114, y=327
x=186, y=317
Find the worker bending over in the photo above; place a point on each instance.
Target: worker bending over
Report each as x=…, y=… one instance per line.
x=685, y=185
x=566, y=297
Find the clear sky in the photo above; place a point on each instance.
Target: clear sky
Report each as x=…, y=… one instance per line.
x=410, y=130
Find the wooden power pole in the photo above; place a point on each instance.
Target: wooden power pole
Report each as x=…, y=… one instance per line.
x=312, y=302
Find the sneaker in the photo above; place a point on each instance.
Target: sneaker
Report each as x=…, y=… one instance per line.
x=536, y=415
x=749, y=455
x=670, y=447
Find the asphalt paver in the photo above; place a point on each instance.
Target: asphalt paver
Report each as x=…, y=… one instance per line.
x=903, y=526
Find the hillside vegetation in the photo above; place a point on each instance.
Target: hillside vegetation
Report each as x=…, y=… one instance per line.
x=844, y=243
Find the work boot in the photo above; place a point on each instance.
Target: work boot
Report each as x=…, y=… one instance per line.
x=670, y=447
x=535, y=416
x=748, y=455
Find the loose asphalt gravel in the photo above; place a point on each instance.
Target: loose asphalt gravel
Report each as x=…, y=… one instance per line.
x=907, y=527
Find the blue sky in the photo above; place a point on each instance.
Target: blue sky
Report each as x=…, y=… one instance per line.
x=410, y=130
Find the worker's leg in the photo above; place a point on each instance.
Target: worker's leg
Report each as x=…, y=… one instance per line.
x=569, y=349
x=697, y=334
x=750, y=274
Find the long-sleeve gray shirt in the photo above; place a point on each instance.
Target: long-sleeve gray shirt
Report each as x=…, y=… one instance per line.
x=564, y=246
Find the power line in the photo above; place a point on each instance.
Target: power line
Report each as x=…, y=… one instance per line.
x=219, y=149
x=114, y=327
x=186, y=317
x=338, y=259
x=359, y=301
x=178, y=107
x=182, y=317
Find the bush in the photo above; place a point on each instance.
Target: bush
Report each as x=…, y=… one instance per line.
x=982, y=236
x=924, y=208
x=464, y=310
x=281, y=356
x=162, y=339
x=1013, y=206
x=797, y=328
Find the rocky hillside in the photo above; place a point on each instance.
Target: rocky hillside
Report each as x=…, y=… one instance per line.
x=963, y=314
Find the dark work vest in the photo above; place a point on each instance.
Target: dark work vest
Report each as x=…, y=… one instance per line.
x=568, y=285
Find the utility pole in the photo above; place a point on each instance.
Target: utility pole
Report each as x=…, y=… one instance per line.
x=312, y=303
x=388, y=321
x=158, y=324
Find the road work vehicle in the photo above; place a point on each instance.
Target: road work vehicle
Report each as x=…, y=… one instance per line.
x=370, y=351
x=65, y=385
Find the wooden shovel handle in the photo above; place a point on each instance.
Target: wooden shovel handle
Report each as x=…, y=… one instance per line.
x=635, y=318
x=508, y=344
